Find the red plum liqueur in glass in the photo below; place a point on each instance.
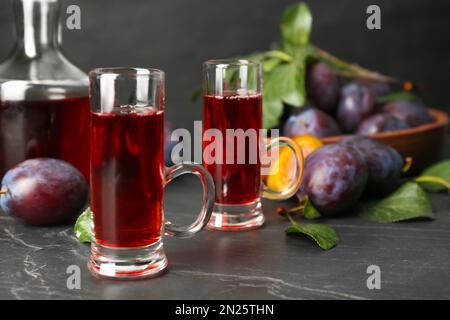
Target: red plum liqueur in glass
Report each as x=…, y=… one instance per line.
x=235, y=183
x=128, y=175
x=127, y=148
x=232, y=107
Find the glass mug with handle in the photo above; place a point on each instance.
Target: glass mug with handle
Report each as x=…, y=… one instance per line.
x=233, y=111
x=128, y=174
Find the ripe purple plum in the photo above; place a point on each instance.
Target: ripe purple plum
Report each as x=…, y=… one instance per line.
x=334, y=178
x=381, y=122
x=377, y=88
x=356, y=103
x=414, y=113
x=384, y=163
x=311, y=121
x=322, y=87
x=43, y=192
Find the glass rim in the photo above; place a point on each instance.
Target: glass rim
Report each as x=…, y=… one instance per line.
x=231, y=63
x=127, y=71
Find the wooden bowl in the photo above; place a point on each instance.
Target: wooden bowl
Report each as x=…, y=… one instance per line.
x=425, y=144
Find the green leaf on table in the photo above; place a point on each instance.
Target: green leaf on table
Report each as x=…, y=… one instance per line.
x=309, y=211
x=296, y=24
x=82, y=226
x=325, y=236
x=441, y=170
x=402, y=95
x=410, y=201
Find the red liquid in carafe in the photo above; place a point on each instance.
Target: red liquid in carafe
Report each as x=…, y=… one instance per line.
x=235, y=183
x=127, y=183
x=48, y=128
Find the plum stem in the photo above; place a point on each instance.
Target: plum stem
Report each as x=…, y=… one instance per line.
x=432, y=179
x=350, y=69
x=355, y=71
x=408, y=164
x=3, y=190
x=291, y=219
x=301, y=206
x=297, y=209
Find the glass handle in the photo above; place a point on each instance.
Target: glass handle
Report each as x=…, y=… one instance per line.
x=295, y=184
x=208, y=199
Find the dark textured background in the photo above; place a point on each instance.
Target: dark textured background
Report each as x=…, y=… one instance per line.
x=177, y=35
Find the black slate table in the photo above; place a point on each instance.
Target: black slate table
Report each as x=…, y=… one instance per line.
x=414, y=258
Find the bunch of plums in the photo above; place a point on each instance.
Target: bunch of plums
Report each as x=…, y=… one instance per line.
x=337, y=175
x=332, y=110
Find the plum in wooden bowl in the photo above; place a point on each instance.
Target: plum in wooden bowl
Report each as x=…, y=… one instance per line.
x=371, y=108
x=424, y=143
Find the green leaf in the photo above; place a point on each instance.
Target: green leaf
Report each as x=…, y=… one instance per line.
x=197, y=94
x=272, y=111
x=309, y=211
x=292, y=88
x=82, y=226
x=285, y=83
x=401, y=95
x=273, y=95
x=258, y=56
x=440, y=169
x=271, y=64
x=273, y=59
x=410, y=201
x=272, y=102
x=325, y=236
x=296, y=24
x=280, y=55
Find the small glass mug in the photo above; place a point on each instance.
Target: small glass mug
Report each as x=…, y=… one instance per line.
x=233, y=110
x=128, y=174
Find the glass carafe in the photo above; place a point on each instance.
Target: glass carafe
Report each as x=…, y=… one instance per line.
x=44, y=104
